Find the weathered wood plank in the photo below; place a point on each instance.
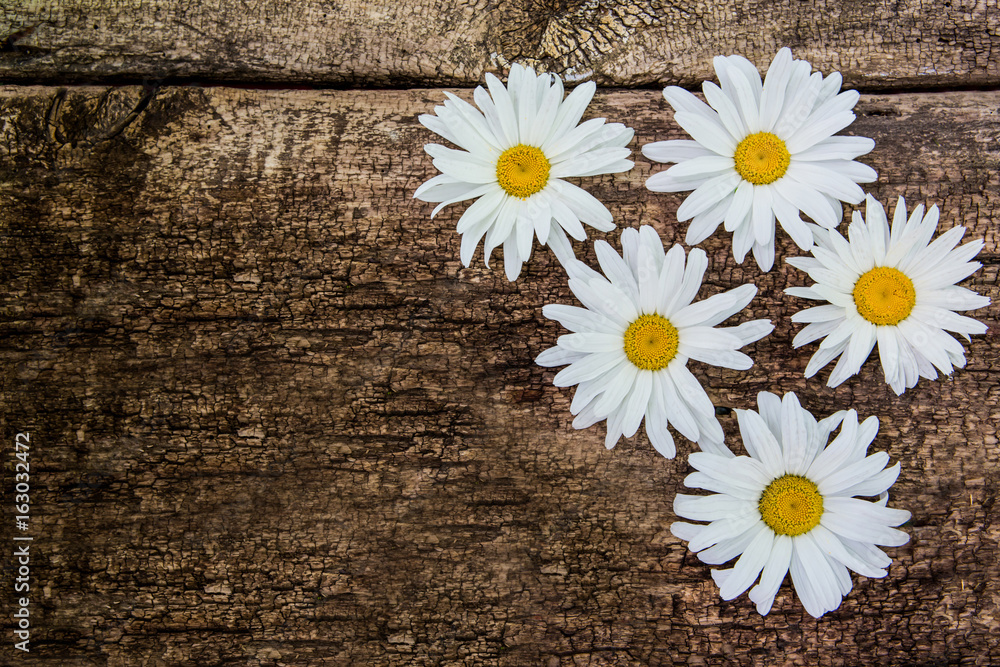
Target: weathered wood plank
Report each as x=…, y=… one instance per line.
x=276, y=422
x=449, y=42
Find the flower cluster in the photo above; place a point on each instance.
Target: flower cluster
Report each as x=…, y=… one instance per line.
x=762, y=151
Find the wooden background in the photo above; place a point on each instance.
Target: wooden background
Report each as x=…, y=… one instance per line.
x=275, y=422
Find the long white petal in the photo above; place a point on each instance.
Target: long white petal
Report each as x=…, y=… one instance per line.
x=774, y=573
x=675, y=150
x=749, y=566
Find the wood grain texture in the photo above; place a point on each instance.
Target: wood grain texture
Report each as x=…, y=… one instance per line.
x=912, y=43
x=277, y=423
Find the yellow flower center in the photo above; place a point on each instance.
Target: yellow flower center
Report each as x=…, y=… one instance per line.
x=791, y=505
x=762, y=158
x=884, y=296
x=522, y=171
x=651, y=342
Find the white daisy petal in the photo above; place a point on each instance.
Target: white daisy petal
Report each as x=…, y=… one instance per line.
x=729, y=115
x=614, y=425
x=769, y=407
x=675, y=150
x=471, y=239
x=707, y=194
x=741, y=206
x=512, y=262
x=794, y=432
x=760, y=442
x=774, y=573
x=773, y=92
x=701, y=167
x=665, y=182
x=505, y=109
x=752, y=331
x=834, y=547
x=727, y=549
x=590, y=342
x=519, y=143
x=894, y=287
x=749, y=566
x=557, y=356
x=827, y=181
x=788, y=215
x=838, y=452
x=579, y=319
x=803, y=96
x=721, y=358
x=637, y=402
x=788, y=507
x=677, y=411
x=763, y=253
x=762, y=214
x=584, y=205
x=809, y=594
x=615, y=268
x=723, y=529
x=705, y=223
x=469, y=125
x=706, y=132
x=732, y=73
x=810, y=134
x=743, y=240
x=694, y=271
x=859, y=346
x=807, y=199
x=836, y=482
x=588, y=368
x=620, y=382
x=811, y=571
x=864, y=521
x=656, y=429
x=699, y=480
x=837, y=148
x=593, y=296
x=571, y=111
x=587, y=416
x=875, y=484
x=709, y=508
x=716, y=308
x=740, y=473
x=442, y=187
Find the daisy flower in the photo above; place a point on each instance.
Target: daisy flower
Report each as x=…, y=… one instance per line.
x=630, y=345
x=893, y=287
x=515, y=154
x=760, y=152
x=790, y=507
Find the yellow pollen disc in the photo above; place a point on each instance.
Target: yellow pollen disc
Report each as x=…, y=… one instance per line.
x=884, y=296
x=791, y=505
x=651, y=342
x=522, y=171
x=762, y=158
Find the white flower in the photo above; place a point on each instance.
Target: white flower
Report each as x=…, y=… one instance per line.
x=790, y=506
x=516, y=153
x=631, y=343
x=762, y=151
x=890, y=287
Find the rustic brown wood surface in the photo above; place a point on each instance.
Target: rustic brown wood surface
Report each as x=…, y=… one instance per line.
x=275, y=422
x=449, y=42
